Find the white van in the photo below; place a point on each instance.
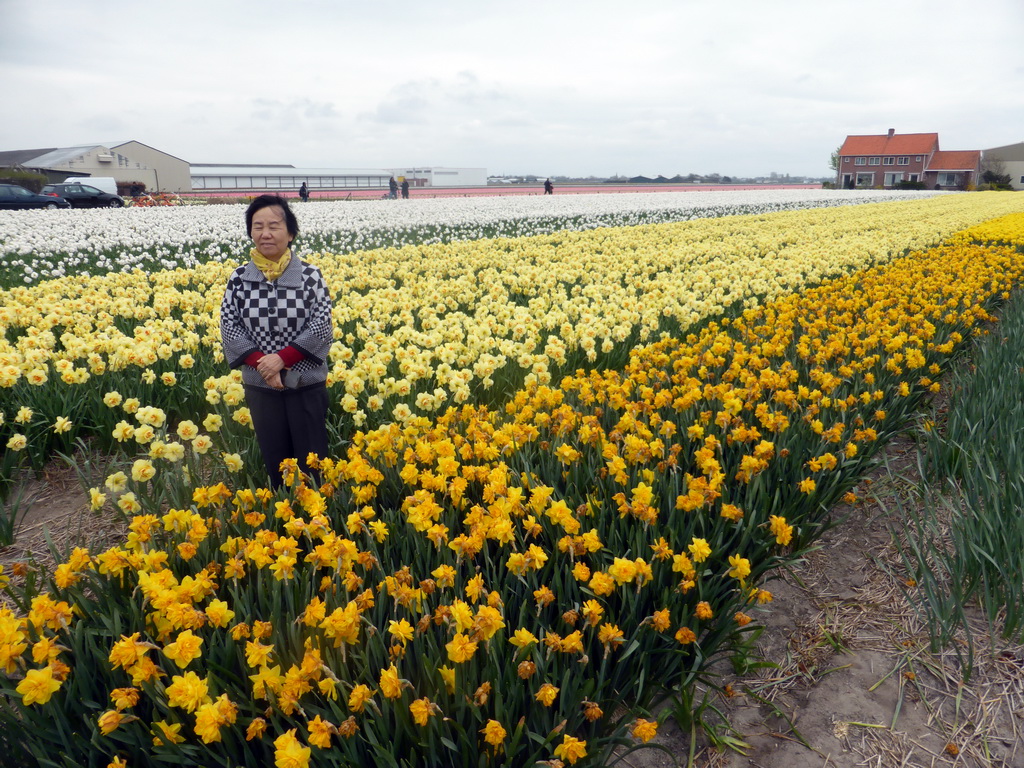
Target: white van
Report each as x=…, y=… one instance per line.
x=105, y=183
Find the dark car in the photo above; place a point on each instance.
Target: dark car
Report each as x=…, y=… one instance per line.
x=84, y=196
x=13, y=197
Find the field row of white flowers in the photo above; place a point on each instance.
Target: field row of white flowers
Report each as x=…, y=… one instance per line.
x=40, y=245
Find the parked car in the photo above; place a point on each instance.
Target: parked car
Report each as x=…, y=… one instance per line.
x=84, y=196
x=106, y=183
x=13, y=197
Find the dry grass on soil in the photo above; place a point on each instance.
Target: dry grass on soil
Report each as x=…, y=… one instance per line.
x=56, y=511
x=854, y=682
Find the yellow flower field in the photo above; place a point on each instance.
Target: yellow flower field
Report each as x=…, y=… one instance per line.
x=489, y=585
x=423, y=328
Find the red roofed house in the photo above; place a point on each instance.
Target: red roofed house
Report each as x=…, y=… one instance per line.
x=884, y=161
x=953, y=170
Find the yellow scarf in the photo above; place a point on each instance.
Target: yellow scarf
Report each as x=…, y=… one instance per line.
x=270, y=269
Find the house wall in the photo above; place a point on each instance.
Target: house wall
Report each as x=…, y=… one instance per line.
x=931, y=180
x=963, y=179
x=848, y=166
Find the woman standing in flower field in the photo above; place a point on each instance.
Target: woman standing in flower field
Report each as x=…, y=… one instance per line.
x=276, y=326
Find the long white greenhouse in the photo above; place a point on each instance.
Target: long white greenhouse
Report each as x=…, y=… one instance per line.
x=247, y=178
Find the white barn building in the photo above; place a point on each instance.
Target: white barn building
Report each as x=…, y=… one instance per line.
x=1011, y=157
x=423, y=176
x=127, y=162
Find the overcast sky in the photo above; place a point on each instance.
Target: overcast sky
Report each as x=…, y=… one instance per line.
x=582, y=87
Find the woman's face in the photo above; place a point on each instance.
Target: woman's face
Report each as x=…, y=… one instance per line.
x=270, y=232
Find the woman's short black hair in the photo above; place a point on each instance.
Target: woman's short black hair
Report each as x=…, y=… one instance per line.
x=265, y=201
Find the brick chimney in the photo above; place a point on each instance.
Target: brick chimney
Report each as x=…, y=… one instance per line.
x=891, y=132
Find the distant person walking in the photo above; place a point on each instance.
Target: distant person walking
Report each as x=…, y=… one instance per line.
x=405, y=189
x=304, y=193
x=393, y=189
x=549, y=188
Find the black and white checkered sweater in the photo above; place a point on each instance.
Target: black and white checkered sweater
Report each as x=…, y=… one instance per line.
x=258, y=315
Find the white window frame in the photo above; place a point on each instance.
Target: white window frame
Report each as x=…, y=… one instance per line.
x=870, y=175
x=947, y=179
x=846, y=159
x=874, y=161
x=861, y=161
x=905, y=160
x=892, y=179
x=888, y=161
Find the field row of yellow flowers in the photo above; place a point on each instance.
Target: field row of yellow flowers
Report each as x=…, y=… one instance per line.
x=423, y=328
x=1006, y=230
x=494, y=585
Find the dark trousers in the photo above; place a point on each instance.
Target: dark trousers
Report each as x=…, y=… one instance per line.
x=290, y=424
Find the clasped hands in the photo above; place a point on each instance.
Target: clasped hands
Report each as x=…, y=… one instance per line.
x=270, y=367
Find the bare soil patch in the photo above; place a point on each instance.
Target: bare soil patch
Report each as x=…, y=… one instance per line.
x=56, y=512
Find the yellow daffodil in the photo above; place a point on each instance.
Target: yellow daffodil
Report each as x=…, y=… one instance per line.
x=571, y=749
x=494, y=733
x=460, y=648
x=546, y=694
x=38, y=686
x=188, y=691
x=289, y=752
x=390, y=684
x=739, y=567
x=644, y=730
